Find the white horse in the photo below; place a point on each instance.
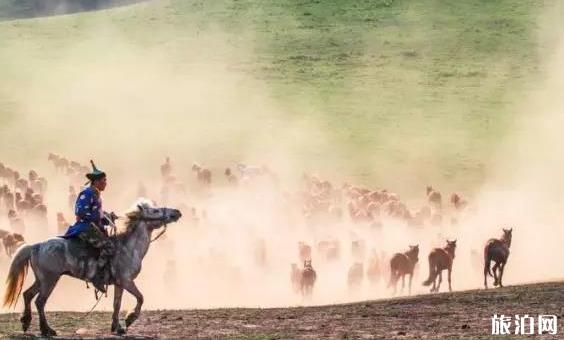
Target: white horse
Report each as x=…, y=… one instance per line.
x=55, y=257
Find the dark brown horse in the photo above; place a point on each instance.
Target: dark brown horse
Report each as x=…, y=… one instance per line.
x=440, y=259
x=402, y=264
x=496, y=250
x=307, y=279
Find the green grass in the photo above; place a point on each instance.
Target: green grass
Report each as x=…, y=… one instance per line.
x=401, y=92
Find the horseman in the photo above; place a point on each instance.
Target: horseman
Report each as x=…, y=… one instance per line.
x=90, y=226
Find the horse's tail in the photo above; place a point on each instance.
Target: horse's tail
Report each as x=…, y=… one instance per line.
x=16, y=275
x=432, y=272
x=487, y=260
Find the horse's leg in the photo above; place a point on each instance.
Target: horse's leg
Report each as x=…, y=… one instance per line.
x=402, y=282
x=501, y=268
x=46, y=287
x=440, y=280
x=486, y=269
x=28, y=295
x=116, y=327
x=434, y=288
x=133, y=290
x=410, y=277
x=449, y=281
x=494, y=270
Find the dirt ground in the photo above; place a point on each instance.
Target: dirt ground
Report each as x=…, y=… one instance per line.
x=446, y=315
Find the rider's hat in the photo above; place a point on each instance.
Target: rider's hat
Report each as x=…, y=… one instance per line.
x=95, y=174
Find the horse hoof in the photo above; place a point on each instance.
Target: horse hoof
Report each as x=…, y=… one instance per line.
x=48, y=332
x=26, y=321
x=131, y=317
x=119, y=330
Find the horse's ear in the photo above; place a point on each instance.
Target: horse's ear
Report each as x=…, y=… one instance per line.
x=140, y=207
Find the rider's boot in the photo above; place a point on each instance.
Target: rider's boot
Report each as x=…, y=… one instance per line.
x=99, y=280
x=99, y=283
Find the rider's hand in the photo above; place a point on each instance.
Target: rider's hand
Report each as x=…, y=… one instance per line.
x=113, y=216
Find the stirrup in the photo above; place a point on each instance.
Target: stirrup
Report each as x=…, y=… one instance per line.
x=100, y=287
x=97, y=291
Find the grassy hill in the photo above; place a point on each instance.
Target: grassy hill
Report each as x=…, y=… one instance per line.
x=421, y=91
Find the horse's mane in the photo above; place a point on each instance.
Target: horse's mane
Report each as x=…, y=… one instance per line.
x=131, y=215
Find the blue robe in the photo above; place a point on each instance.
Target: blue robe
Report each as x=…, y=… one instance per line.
x=88, y=209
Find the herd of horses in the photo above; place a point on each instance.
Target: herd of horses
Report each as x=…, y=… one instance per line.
x=317, y=202
x=403, y=264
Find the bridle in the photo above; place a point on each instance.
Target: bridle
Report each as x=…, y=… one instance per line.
x=164, y=219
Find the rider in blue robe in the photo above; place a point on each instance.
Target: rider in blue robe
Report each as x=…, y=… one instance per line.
x=90, y=226
x=88, y=210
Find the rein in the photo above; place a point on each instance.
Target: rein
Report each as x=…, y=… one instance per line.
x=161, y=233
x=98, y=298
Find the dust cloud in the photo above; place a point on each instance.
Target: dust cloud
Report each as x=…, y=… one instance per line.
x=131, y=107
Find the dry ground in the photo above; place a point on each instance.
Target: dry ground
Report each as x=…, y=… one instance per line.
x=447, y=315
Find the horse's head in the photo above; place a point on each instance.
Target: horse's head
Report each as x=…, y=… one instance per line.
x=413, y=253
x=507, y=236
x=154, y=217
x=450, y=247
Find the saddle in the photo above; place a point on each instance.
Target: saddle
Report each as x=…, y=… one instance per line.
x=81, y=249
x=87, y=254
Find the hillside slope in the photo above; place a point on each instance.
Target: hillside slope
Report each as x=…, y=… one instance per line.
x=389, y=85
x=459, y=314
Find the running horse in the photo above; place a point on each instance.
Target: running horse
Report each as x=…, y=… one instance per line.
x=440, y=259
x=497, y=250
x=402, y=264
x=51, y=259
